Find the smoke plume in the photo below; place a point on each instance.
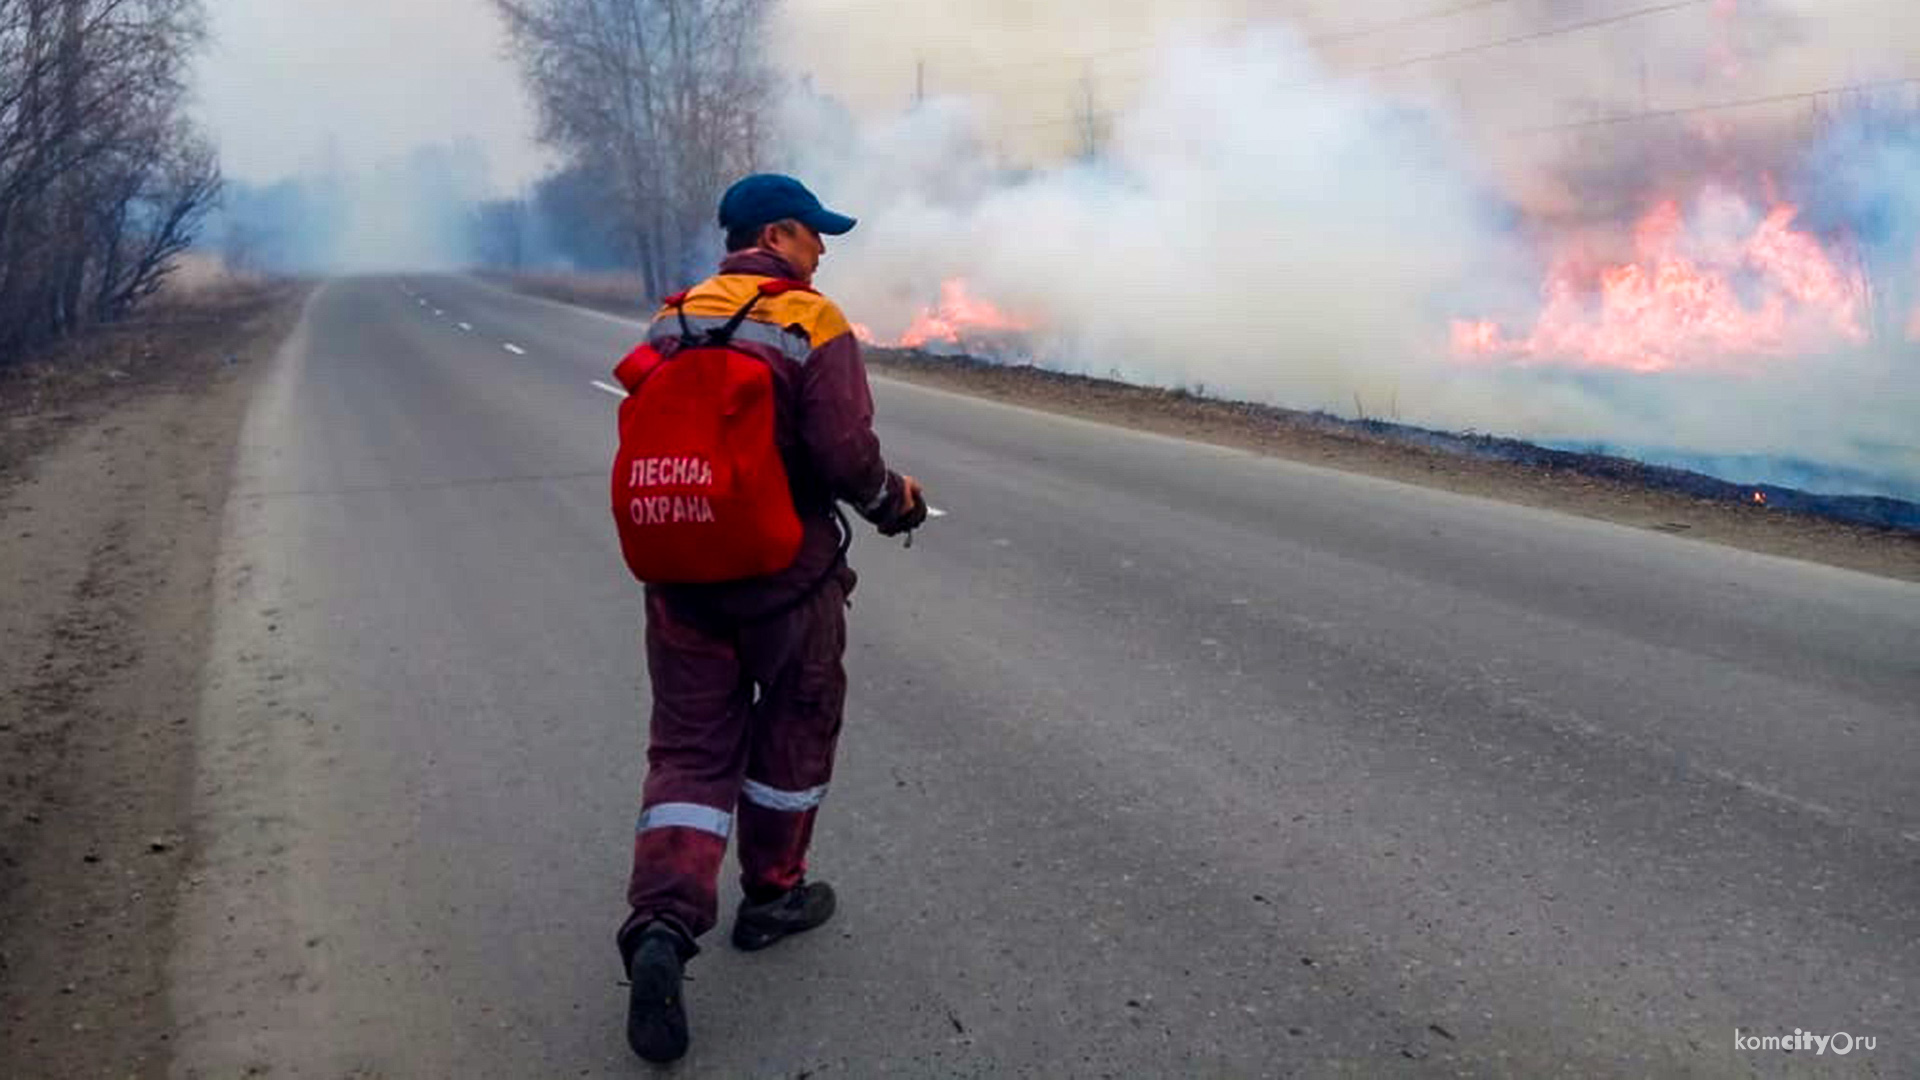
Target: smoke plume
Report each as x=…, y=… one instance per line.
x=1300, y=210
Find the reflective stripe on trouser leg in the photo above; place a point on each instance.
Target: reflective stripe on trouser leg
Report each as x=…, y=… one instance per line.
x=794, y=731
x=775, y=799
x=696, y=753
x=685, y=815
x=677, y=851
x=776, y=826
x=773, y=847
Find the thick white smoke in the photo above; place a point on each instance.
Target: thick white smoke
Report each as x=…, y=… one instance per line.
x=412, y=213
x=1236, y=232
x=1298, y=223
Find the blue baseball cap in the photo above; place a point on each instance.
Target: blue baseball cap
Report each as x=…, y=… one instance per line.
x=764, y=198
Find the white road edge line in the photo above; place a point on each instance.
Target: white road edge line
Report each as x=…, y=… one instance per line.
x=515, y=349
x=467, y=326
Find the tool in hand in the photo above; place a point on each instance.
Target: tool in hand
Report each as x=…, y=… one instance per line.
x=932, y=512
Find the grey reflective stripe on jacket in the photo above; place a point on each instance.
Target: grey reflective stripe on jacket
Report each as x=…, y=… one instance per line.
x=793, y=344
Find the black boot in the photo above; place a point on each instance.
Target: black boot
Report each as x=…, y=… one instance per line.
x=799, y=909
x=656, y=1012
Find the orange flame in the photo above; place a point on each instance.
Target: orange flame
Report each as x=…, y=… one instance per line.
x=1759, y=498
x=957, y=314
x=1671, y=308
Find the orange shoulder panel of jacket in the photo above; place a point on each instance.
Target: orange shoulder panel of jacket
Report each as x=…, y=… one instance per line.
x=810, y=311
x=723, y=294
x=720, y=295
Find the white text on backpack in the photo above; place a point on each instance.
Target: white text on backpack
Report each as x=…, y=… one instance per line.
x=671, y=510
x=671, y=472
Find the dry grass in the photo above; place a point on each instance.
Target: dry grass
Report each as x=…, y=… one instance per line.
x=198, y=274
x=55, y=381
x=1373, y=449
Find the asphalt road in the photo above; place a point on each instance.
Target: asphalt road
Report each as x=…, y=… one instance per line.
x=1161, y=759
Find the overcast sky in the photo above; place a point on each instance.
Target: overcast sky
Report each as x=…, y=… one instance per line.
x=380, y=77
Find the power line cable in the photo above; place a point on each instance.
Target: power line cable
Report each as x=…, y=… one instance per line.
x=1539, y=35
x=1718, y=106
x=1330, y=38
x=1402, y=23
x=1651, y=114
x=1487, y=45
x=1468, y=50
x=1359, y=33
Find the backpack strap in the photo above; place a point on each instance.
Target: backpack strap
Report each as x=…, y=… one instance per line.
x=720, y=335
x=724, y=334
x=689, y=339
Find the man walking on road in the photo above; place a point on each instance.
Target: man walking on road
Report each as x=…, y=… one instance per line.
x=747, y=676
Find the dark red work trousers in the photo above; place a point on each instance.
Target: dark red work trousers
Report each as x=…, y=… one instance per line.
x=745, y=720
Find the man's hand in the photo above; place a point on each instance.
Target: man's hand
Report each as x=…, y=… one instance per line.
x=913, y=512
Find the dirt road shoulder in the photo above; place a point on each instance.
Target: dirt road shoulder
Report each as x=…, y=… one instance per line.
x=114, y=466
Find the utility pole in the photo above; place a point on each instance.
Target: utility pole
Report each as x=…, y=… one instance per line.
x=919, y=83
x=1089, y=119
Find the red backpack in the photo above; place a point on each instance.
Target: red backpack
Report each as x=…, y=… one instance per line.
x=700, y=493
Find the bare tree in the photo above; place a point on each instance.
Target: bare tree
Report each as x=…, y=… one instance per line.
x=150, y=220
x=102, y=182
x=662, y=94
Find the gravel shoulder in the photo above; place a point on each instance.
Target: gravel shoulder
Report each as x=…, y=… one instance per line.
x=115, y=456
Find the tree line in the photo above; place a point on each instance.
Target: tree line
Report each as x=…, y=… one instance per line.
x=655, y=106
x=103, y=180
